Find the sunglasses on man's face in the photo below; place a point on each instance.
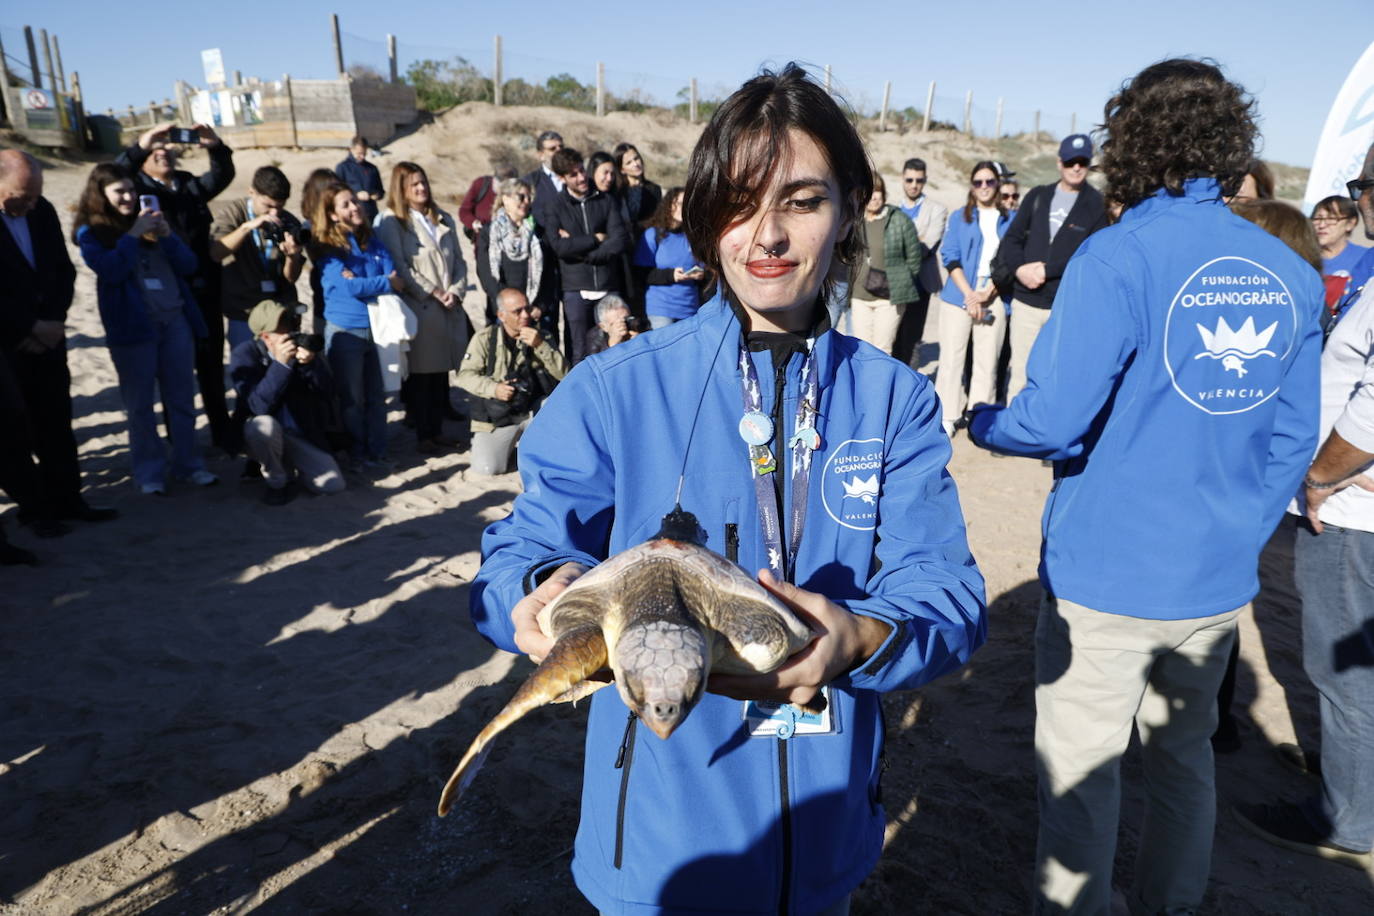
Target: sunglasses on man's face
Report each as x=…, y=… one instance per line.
x=985, y=182
x=1011, y=196
x=914, y=180
x=1076, y=164
x=1357, y=186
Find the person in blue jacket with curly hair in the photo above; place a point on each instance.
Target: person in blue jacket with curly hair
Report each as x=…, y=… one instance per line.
x=1175, y=388
x=151, y=320
x=835, y=489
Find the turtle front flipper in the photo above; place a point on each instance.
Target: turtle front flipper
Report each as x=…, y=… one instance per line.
x=576, y=655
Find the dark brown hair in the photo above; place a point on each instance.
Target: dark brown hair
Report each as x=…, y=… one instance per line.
x=93, y=208
x=1264, y=179
x=972, y=203
x=1338, y=205
x=310, y=195
x=662, y=220
x=566, y=161
x=1286, y=223
x=745, y=143
x=619, y=153
x=1175, y=120
x=594, y=162
x=396, y=197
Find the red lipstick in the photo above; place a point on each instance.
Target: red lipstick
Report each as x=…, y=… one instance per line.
x=770, y=268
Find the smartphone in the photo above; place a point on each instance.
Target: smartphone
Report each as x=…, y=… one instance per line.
x=182, y=135
x=694, y=271
x=148, y=202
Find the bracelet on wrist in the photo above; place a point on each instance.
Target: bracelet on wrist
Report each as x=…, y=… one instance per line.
x=1311, y=484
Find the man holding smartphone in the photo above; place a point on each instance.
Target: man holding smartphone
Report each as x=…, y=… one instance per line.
x=184, y=200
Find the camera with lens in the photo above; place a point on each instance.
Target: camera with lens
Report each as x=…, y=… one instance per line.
x=276, y=232
x=634, y=324
x=312, y=342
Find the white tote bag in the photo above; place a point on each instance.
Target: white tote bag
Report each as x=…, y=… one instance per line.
x=393, y=327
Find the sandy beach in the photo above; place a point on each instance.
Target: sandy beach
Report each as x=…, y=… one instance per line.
x=212, y=706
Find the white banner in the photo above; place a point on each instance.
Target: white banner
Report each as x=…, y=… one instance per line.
x=213, y=62
x=1347, y=136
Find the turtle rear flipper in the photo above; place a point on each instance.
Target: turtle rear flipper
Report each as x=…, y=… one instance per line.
x=577, y=654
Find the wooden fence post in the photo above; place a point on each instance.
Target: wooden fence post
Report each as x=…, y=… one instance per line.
x=57, y=54
x=154, y=115
x=1037, y=125
x=968, y=113
x=930, y=103
x=887, y=97
x=692, y=102
x=997, y=131
x=391, y=56
x=7, y=110
x=1073, y=123
x=600, y=89
x=80, y=109
x=33, y=58
x=290, y=109
x=338, y=44
x=498, y=78
x=47, y=62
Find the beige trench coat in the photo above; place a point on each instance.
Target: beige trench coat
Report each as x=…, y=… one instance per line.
x=425, y=266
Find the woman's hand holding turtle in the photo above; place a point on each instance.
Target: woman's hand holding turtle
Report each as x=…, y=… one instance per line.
x=843, y=641
x=525, y=615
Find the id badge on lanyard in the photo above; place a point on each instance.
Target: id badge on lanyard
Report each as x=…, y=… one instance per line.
x=763, y=719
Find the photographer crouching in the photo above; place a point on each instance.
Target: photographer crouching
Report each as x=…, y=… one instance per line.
x=508, y=369
x=285, y=397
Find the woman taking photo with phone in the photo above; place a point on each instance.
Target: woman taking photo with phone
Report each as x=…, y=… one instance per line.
x=795, y=449
x=673, y=275
x=422, y=240
x=355, y=267
x=151, y=320
x=970, y=300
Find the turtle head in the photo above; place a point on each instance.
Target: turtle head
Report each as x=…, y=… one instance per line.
x=660, y=670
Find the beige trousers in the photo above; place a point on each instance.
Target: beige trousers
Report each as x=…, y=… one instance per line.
x=282, y=453
x=955, y=325
x=1026, y=322
x=1097, y=675
x=875, y=321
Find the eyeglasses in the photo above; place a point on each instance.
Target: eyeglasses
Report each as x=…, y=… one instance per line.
x=1011, y=196
x=1358, y=185
x=985, y=182
x=914, y=180
x=1323, y=220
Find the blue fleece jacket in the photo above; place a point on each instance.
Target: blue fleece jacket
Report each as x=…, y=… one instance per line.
x=123, y=313
x=712, y=818
x=345, y=298
x=1176, y=385
x=962, y=246
x=671, y=300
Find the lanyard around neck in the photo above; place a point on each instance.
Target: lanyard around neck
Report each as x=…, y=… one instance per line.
x=756, y=429
x=265, y=248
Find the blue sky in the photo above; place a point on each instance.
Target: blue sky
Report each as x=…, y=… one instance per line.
x=1058, y=58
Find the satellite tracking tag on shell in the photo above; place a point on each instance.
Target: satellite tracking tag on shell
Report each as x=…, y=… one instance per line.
x=1347, y=136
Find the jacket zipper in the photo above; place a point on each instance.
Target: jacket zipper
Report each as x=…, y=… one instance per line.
x=623, y=761
x=785, y=825
x=586, y=227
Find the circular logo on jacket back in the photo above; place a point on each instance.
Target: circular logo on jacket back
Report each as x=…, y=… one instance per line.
x=850, y=482
x=1229, y=330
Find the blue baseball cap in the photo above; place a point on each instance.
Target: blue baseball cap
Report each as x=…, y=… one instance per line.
x=1076, y=146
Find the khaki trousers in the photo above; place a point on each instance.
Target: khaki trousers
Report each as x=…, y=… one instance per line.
x=955, y=327
x=875, y=321
x=1026, y=322
x=1096, y=675
x=280, y=452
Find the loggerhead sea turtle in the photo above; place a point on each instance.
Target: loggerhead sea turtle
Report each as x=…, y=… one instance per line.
x=664, y=614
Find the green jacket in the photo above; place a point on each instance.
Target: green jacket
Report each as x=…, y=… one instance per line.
x=901, y=255
x=487, y=363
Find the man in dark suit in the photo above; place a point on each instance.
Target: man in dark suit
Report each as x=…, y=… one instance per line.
x=185, y=200
x=543, y=181
x=1052, y=222
x=362, y=178
x=38, y=287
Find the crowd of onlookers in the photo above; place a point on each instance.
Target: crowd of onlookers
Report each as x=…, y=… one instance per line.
x=578, y=255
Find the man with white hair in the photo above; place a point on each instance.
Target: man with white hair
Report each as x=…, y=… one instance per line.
x=614, y=324
x=38, y=287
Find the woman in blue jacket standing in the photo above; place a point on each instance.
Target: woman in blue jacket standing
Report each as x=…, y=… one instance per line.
x=969, y=298
x=354, y=267
x=802, y=454
x=151, y=321
x=674, y=276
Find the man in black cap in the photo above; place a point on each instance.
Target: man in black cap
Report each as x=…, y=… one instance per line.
x=1052, y=222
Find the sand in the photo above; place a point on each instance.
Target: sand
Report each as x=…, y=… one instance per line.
x=211, y=706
